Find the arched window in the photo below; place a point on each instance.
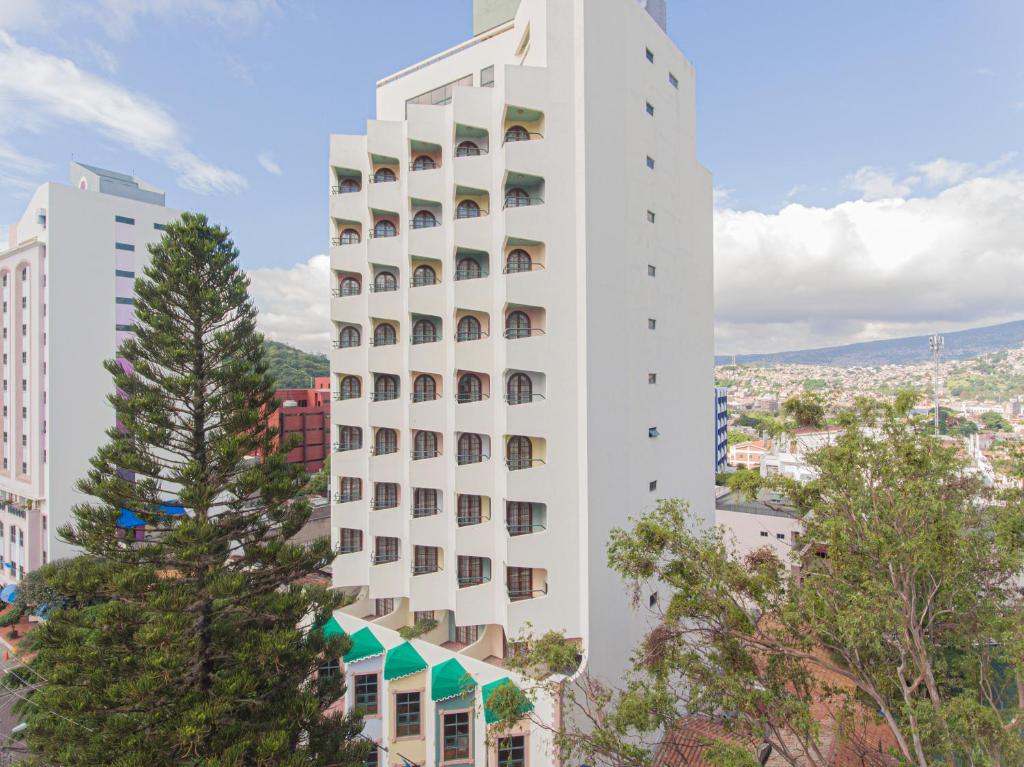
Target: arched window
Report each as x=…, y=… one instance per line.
x=468, y=269
x=520, y=453
x=348, y=185
x=385, y=442
x=424, y=219
x=518, y=261
x=467, y=209
x=384, y=175
x=424, y=162
x=384, y=282
x=519, y=389
x=517, y=325
x=384, y=335
x=469, y=329
x=349, y=237
x=349, y=287
x=519, y=518
x=516, y=198
x=385, y=495
x=351, y=388
x=424, y=332
x=424, y=275
x=385, y=388
x=348, y=337
x=350, y=438
x=470, y=388
x=425, y=445
x=424, y=389
x=351, y=489
x=517, y=133
x=424, y=502
x=469, y=510
x=467, y=149
x=384, y=228
x=471, y=449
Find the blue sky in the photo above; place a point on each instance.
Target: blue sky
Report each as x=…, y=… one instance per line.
x=227, y=104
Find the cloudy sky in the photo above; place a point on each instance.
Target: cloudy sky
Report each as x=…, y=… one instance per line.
x=868, y=157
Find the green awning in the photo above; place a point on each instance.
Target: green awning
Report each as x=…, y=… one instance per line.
x=364, y=645
x=450, y=680
x=332, y=628
x=403, y=660
x=488, y=689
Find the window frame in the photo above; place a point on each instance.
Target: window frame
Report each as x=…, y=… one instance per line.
x=397, y=723
x=375, y=676
x=467, y=737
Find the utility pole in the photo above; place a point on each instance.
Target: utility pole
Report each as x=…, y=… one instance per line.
x=935, y=343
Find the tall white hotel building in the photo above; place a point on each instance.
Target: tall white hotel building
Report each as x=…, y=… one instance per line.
x=522, y=315
x=67, y=280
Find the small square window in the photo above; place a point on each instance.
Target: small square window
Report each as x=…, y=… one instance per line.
x=653, y=432
x=764, y=533
x=780, y=536
x=652, y=378
x=650, y=216
x=652, y=270
x=650, y=109
x=673, y=80
x=650, y=55
x=653, y=485
x=650, y=162
x=652, y=324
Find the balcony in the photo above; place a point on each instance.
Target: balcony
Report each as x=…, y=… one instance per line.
x=350, y=497
x=384, y=558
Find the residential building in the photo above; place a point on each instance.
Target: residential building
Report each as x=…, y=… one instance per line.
x=751, y=524
x=721, y=428
x=67, y=280
x=305, y=416
x=748, y=454
x=522, y=277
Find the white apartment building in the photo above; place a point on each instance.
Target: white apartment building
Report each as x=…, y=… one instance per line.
x=522, y=315
x=67, y=280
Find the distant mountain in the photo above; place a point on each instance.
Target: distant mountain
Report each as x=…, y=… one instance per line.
x=293, y=368
x=962, y=344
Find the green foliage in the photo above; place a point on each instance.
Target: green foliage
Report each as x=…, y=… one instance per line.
x=736, y=437
x=805, y=410
x=815, y=384
x=11, y=615
x=418, y=629
x=186, y=648
x=319, y=483
x=995, y=422
x=292, y=368
x=36, y=587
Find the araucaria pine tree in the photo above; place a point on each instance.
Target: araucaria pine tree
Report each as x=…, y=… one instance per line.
x=193, y=640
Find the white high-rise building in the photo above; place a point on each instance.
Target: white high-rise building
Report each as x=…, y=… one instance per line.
x=522, y=315
x=68, y=284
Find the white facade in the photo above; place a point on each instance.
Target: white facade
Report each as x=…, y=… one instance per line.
x=67, y=282
x=749, y=526
x=571, y=303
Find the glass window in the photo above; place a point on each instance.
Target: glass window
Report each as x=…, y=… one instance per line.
x=471, y=571
x=673, y=80
x=467, y=209
x=424, y=332
x=518, y=261
x=519, y=389
x=424, y=389
x=350, y=438
x=384, y=175
x=517, y=198
x=512, y=751
x=424, y=275
x=652, y=324
x=650, y=216
x=425, y=445
x=385, y=388
x=651, y=270
x=385, y=282
x=467, y=634
x=385, y=496
x=470, y=449
x=365, y=686
x=424, y=502
x=424, y=162
x=467, y=149
x=350, y=540
x=348, y=185
x=384, y=335
x=386, y=442
x=469, y=329
x=349, y=237
x=329, y=669
x=468, y=269
x=385, y=550
x=487, y=77
x=517, y=133
x=520, y=453
x=425, y=559
x=407, y=714
x=384, y=228
x=372, y=758
x=650, y=55
x=520, y=583
x=351, y=388
x=469, y=510
x=424, y=219
x=349, y=287
x=650, y=108
x=519, y=518
x=456, y=737
x=650, y=162
x=517, y=325
x=383, y=607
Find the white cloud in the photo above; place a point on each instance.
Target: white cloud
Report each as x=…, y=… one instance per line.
x=722, y=196
x=944, y=172
x=294, y=303
x=871, y=268
x=18, y=171
x=266, y=159
x=877, y=184
x=54, y=88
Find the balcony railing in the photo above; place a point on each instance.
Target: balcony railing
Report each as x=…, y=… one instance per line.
x=342, y=550
x=343, y=190
x=426, y=569
x=470, y=335
x=388, y=450
x=415, y=165
x=470, y=151
x=513, y=334
x=423, y=282
x=472, y=580
x=349, y=240
x=422, y=455
x=466, y=458
x=516, y=529
x=380, y=504
x=464, y=397
x=518, y=595
x=375, y=180
x=419, y=512
x=383, y=396
x=428, y=223
x=382, y=559
x=345, y=445
x=386, y=342
x=468, y=520
x=522, y=399
x=425, y=338
x=339, y=344
x=419, y=396
x=467, y=274
x=519, y=464
x=340, y=396
x=515, y=138
x=522, y=202
x=347, y=497
x=375, y=235
x=522, y=268
x=474, y=213
x=345, y=292
x=375, y=288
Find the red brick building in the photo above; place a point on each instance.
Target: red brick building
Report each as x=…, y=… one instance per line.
x=307, y=413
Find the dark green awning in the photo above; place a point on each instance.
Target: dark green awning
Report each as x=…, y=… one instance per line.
x=488, y=690
x=364, y=645
x=332, y=628
x=450, y=680
x=402, y=661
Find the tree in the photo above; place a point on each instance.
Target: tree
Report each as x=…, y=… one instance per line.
x=187, y=647
x=903, y=627
x=805, y=410
x=995, y=422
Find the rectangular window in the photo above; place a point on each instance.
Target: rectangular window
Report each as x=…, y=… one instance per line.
x=386, y=549
x=423, y=615
x=650, y=162
x=124, y=328
x=384, y=606
x=471, y=571
x=124, y=273
x=467, y=634
x=407, y=714
x=673, y=80
x=653, y=485
x=652, y=271
x=487, y=77
x=124, y=301
x=520, y=583
x=650, y=109
x=650, y=55
x=366, y=693
x=160, y=227
x=124, y=220
x=653, y=432
x=764, y=533
x=652, y=324
x=780, y=536
x=512, y=751
x=650, y=216
x=425, y=559
x=442, y=94
x=123, y=246
x=350, y=540
x=456, y=737
x=372, y=758
x=652, y=378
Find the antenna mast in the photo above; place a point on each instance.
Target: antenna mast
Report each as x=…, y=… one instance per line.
x=935, y=343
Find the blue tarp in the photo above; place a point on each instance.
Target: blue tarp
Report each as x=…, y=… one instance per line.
x=129, y=519
x=9, y=593
x=172, y=508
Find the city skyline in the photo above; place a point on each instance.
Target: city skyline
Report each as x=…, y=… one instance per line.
x=841, y=180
